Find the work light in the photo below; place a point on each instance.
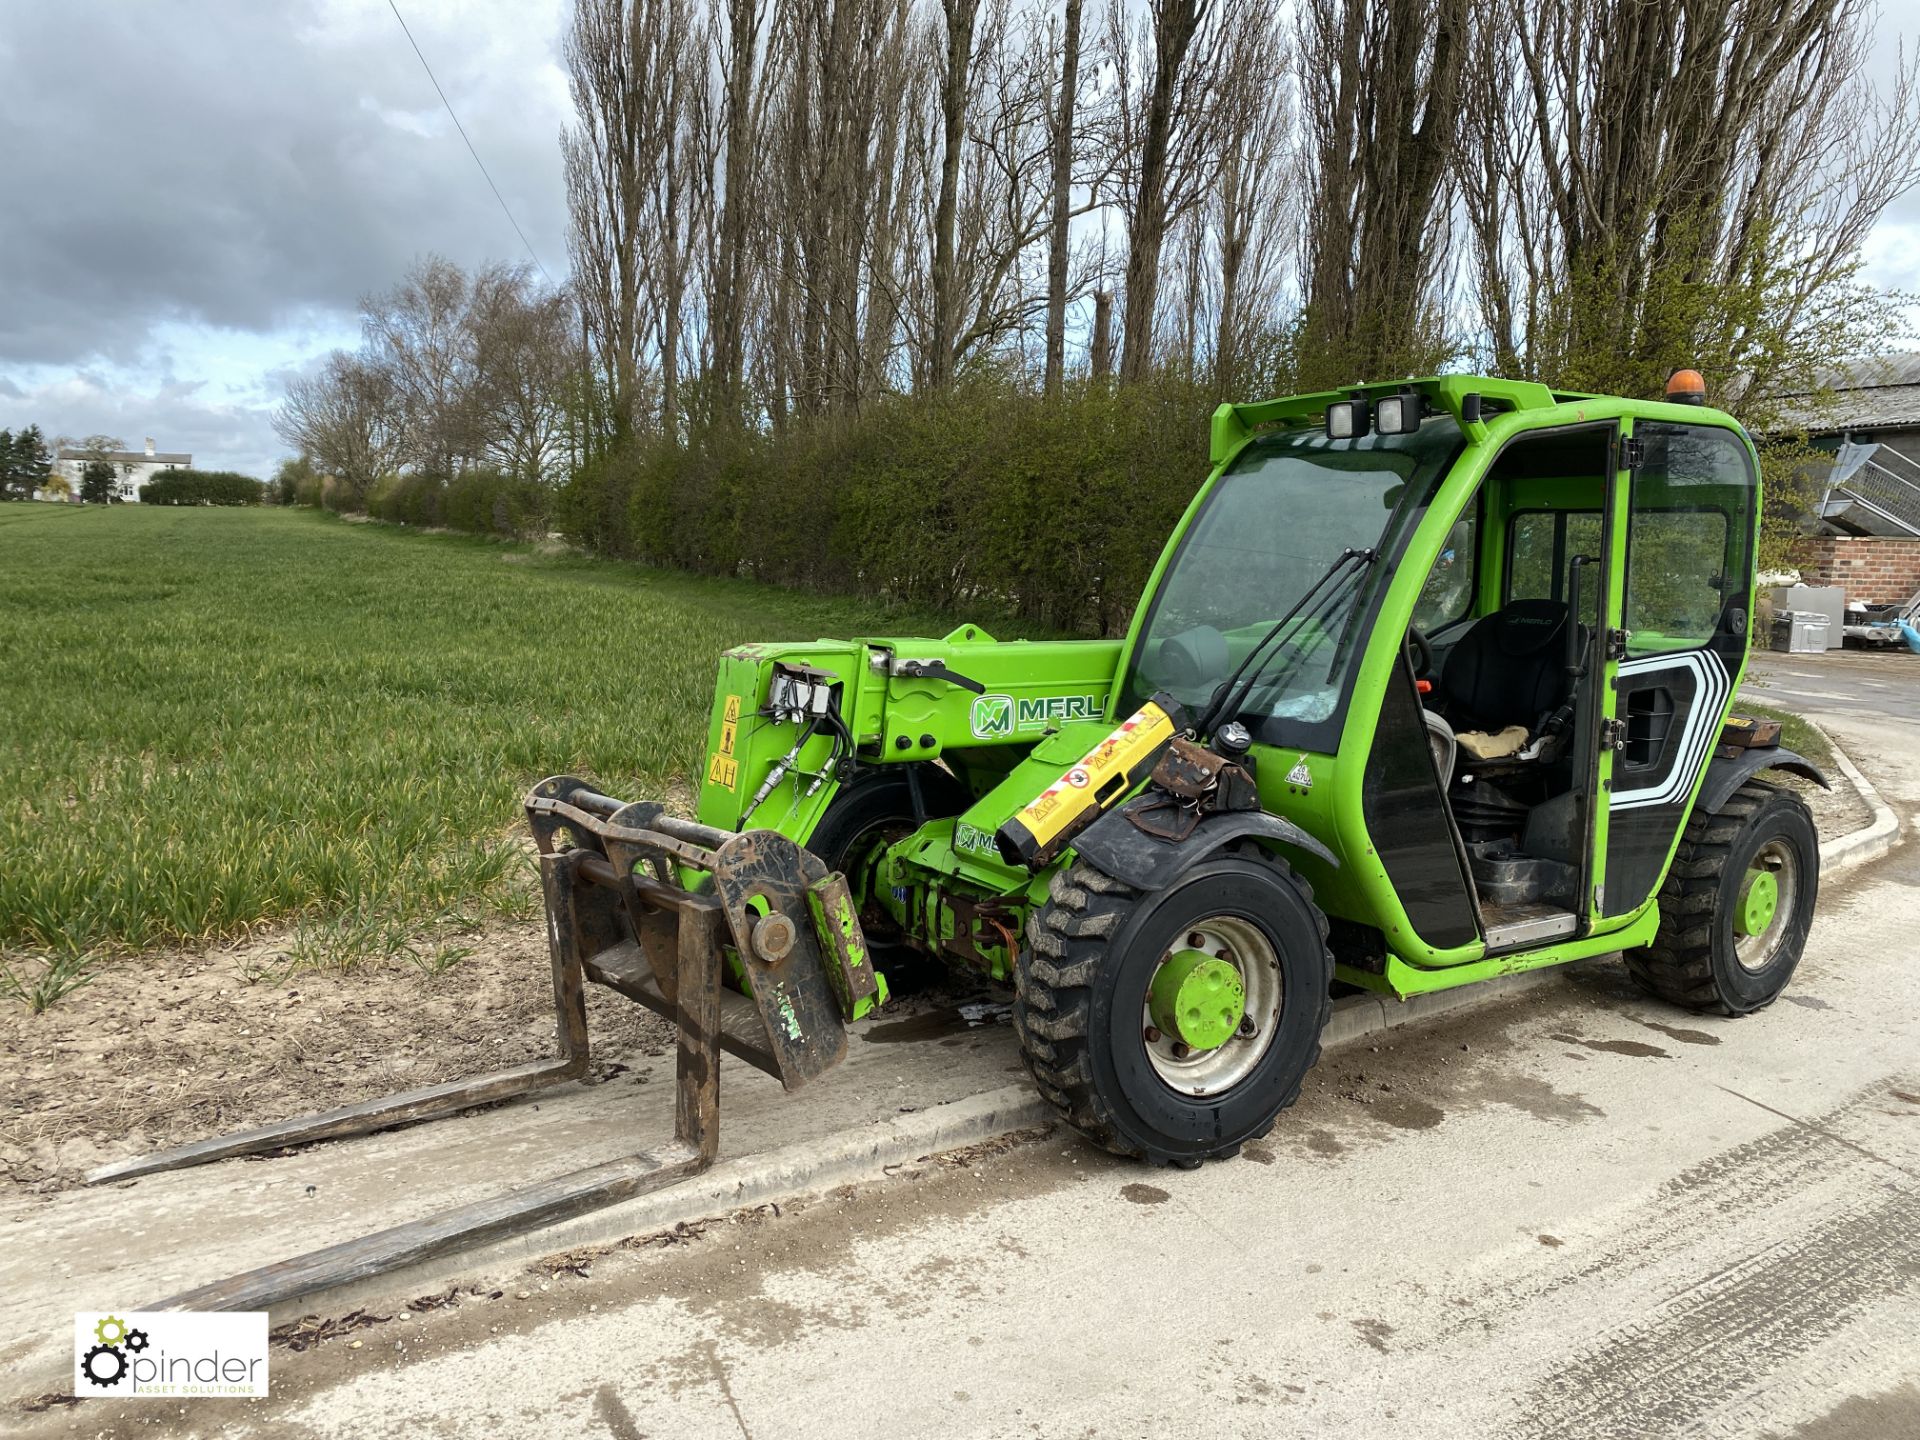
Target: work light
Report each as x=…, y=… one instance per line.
x=1347, y=419
x=1397, y=414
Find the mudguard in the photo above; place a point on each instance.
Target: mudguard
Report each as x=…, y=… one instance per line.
x=1730, y=769
x=1114, y=844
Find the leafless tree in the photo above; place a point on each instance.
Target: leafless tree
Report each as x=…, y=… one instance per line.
x=419, y=335
x=1381, y=103
x=1671, y=182
x=1237, y=240
x=1001, y=202
x=843, y=75
x=628, y=70
x=955, y=82
x=347, y=418
x=1059, y=234
x=738, y=46
x=526, y=370
x=1163, y=67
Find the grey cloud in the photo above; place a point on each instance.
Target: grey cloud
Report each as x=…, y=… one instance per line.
x=225, y=164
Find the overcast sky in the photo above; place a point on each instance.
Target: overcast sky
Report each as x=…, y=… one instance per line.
x=194, y=193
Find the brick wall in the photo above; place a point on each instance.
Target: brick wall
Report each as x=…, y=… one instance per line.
x=1871, y=569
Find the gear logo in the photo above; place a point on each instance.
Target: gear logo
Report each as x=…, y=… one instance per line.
x=106, y=1363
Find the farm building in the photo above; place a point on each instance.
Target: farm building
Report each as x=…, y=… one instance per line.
x=133, y=467
x=1867, y=523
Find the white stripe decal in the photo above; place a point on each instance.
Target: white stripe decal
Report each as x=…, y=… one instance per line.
x=1711, y=688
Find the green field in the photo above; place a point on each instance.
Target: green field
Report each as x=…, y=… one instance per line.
x=213, y=719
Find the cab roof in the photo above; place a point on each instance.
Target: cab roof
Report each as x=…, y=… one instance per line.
x=1472, y=400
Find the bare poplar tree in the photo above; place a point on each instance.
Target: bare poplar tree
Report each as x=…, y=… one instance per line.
x=727, y=293
x=1381, y=100
x=1250, y=210
x=1163, y=69
x=840, y=70
x=1004, y=192
x=631, y=69
x=604, y=163
x=1683, y=183
x=955, y=77
x=1059, y=235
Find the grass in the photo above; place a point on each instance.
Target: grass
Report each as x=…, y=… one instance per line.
x=214, y=720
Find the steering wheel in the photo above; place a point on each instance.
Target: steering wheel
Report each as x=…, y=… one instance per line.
x=1419, y=651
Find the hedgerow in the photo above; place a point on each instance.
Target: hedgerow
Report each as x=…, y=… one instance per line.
x=201, y=487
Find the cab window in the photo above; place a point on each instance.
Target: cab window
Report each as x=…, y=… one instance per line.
x=1447, y=593
x=1540, y=547
x=1688, y=537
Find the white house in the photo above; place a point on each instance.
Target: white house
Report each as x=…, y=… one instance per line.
x=133, y=468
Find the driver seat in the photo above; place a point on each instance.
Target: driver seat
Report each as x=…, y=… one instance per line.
x=1509, y=669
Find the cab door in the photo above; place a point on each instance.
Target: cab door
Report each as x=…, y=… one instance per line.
x=1676, y=638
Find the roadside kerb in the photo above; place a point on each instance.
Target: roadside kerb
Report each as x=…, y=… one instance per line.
x=1873, y=839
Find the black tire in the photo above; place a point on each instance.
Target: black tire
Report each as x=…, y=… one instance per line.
x=1695, y=959
x=1082, y=979
x=875, y=809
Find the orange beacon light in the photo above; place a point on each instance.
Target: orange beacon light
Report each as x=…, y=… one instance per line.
x=1687, y=387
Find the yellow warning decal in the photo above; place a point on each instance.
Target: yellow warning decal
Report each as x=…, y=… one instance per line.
x=732, y=711
x=723, y=770
x=1100, y=776
x=727, y=731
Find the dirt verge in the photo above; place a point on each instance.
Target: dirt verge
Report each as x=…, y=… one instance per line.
x=175, y=1045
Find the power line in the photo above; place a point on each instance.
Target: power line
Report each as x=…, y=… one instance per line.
x=464, y=136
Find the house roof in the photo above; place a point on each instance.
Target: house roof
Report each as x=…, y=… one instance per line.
x=128, y=457
x=1878, y=394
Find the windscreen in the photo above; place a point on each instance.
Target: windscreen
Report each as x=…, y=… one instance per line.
x=1271, y=527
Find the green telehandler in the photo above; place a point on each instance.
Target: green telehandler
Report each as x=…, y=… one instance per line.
x=1431, y=684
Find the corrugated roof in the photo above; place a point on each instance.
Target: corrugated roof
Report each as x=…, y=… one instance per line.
x=1878, y=394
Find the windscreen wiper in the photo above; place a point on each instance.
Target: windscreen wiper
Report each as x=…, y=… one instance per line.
x=1350, y=559
x=1278, y=667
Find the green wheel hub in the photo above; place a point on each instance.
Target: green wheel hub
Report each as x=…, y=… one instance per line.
x=1199, y=998
x=1759, y=898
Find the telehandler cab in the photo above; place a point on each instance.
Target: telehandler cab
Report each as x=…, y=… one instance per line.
x=1430, y=684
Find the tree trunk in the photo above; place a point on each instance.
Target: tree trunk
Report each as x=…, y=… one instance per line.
x=729, y=299
x=1102, y=334
x=1174, y=25
x=953, y=113
x=1062, y=205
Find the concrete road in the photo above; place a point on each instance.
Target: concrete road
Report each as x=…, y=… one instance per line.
x=1875, y=684
x=1579, y=1214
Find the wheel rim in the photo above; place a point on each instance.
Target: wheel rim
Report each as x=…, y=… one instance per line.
x=1763, y=911
x=1219, y=968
